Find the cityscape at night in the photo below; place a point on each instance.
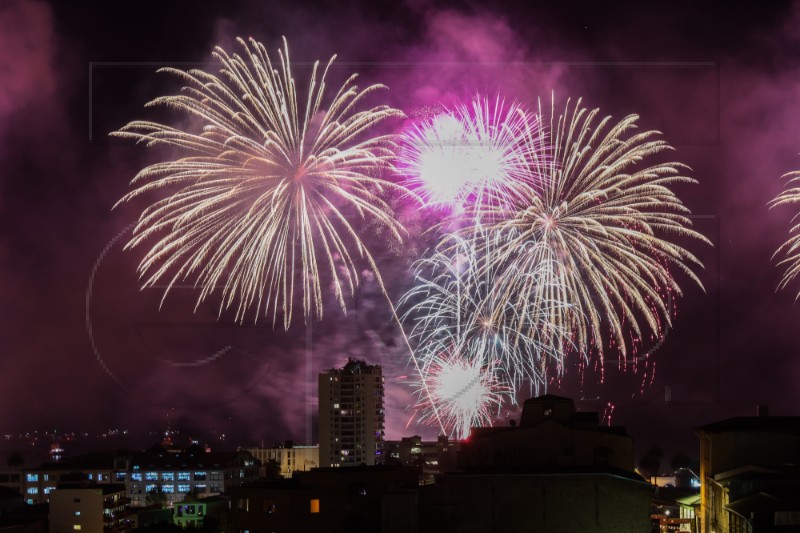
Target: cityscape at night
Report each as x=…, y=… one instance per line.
x=409, y=267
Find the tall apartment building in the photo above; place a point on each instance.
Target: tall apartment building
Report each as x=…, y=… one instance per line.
x=351, y=415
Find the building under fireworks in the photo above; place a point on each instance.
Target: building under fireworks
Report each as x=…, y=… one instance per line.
x=351, y=415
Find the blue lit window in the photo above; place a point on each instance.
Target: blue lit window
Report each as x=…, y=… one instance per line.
x=168, y=476
x=136, y=476
x=199, y=476
x=48, y=489
x=90, y=477
x=121, y=475
x=47, y=477
x=183, y=488
x=29, y=501
x=168, y=489
x=200, y=486
x=136, y=467
x=33, y=490
x=151, y=476
x=183, y=476
x=32, y=477
x=149, y=487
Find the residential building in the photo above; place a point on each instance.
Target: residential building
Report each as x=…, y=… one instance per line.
x=88, y=508
x=431, y=458
x=746, y=463
x=326, y=500
x=197, y=512
x=351, y=415
x=97, y=467
x=290, y=457
x=167, y=476
x=550, y=433
x=558, y=470
x=152, y=476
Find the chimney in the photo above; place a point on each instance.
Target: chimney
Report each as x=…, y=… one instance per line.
x=762, y=410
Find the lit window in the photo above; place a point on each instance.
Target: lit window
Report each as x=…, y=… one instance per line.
x=136, y=476
x=183, y=476
x=167, y=489
x=32, y=477
x=183, y=488
x=314, y=506
x=151, y=476
x=33, y=490
x=77, y=513
x=76, y=527
x=168, y=476
x=199, y=476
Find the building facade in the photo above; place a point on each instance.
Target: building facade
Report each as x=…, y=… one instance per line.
x=746, y=464
x=156, y=475
x=90, y=508
x=290, y=457
x=351, y=415
x=559, y=470
x=161, y=476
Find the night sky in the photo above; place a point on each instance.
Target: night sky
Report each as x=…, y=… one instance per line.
x=721, y=83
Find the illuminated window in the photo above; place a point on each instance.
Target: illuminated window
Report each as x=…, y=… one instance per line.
x=76, y=527
x=168, y=476
x=314, y=506
x=183, y=488
x=200, y=476
x=77, y=513
x=32, y=477
x=136, y=476
x=183, y=476
x=168, y=489
x=151, y=476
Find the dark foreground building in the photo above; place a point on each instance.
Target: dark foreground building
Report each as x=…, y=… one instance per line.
x=559, y=471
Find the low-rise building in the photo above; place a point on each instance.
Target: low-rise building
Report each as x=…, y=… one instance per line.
x=742, y=461
x=558, y=470
x=323, y=500
x=289, y=457
x=88, y=508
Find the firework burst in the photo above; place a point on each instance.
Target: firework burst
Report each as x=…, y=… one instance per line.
x=460, y=392
x=454, y=157
x=265, y=199
x=604, y=219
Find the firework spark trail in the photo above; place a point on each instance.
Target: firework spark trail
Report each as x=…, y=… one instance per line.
x=455, y=305
x=790, y=250
x=604, y=219
x=454, y=157
x=261, y=201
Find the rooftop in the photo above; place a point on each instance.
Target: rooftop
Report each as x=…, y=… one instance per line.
x=754, y=424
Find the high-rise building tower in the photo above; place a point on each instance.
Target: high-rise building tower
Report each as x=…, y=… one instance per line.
x=351, y=415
